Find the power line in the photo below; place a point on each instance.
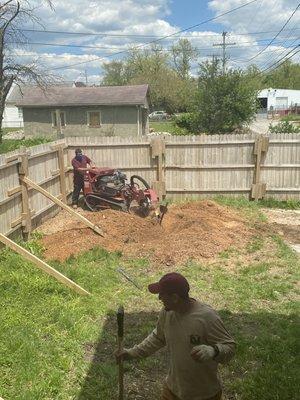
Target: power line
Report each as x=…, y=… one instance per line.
x=269, y=44
x=284, y=58
x=114, y=48
x=269, y=67
x=136, y=35
x=167, y=36
x=283, y=51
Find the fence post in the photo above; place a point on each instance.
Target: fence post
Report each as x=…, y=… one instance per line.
x=58, y=124
x=26, y=212
x=62, y=173
x=261, y=146
x=158, y=149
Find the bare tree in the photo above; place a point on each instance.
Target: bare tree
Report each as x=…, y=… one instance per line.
x=12, y=14
x=183, y=54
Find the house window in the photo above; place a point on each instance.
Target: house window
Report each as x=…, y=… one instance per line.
x=94, y=119
x=20, y=112
x=62, y=119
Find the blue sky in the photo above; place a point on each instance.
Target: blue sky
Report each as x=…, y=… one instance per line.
x=120, y=19
x=189, y=12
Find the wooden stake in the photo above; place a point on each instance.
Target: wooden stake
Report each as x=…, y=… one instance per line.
x=120, y=322
x=50, y=196
x=42, y=265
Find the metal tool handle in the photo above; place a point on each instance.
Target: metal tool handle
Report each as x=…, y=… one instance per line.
x=120, y=321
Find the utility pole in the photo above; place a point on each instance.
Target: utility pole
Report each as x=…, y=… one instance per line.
x=224, y=45
x=86, y=77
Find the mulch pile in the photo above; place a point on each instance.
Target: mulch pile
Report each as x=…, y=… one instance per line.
x=195, y=230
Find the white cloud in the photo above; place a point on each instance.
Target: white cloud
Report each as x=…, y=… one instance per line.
x=262, y=15
x=149, y=17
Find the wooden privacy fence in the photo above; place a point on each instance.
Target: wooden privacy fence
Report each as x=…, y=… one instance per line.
x=179, y=167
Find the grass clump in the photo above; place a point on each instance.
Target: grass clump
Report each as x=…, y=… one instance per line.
x=244, y=203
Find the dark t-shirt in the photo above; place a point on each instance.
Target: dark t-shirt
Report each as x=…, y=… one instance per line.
x=78, y=175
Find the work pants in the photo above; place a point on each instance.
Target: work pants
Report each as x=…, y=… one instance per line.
x=78, y=186
x=168, y=395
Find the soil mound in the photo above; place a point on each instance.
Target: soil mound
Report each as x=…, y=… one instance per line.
x=195, y=230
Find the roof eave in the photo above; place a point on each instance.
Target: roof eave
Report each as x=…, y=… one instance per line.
x=79, y=105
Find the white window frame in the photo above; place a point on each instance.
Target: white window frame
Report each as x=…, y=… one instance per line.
x=88, y=118
x=20, y=112
x=53, y=117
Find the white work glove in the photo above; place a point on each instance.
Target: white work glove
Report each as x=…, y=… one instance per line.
x=124, y=355
x=203, y=353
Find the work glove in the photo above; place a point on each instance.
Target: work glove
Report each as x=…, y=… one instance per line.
x=203, y=353
x=124, y=355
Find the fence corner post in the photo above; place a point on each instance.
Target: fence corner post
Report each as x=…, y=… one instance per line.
x=261, y=145
x=158, y=150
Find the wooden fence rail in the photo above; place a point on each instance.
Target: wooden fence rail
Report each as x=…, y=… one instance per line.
x=178, y=167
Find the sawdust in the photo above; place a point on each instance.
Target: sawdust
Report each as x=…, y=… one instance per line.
x=195, y=230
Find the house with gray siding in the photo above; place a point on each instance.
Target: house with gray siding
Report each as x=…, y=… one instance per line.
x=85, y=111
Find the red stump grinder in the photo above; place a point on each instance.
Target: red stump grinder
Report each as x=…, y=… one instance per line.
x=108, y=188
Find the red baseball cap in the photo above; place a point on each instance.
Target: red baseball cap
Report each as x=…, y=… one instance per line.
x=170, y=283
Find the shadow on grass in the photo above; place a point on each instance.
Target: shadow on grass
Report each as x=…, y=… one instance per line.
x=264, y=366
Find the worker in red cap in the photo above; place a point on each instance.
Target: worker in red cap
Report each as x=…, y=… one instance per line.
x=196, y=338
x=80, y=162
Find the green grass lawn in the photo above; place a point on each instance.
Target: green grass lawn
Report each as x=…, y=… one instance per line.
x=55, y=344
x=168, y=126
x=13, y=144
x=7, y=130
x=291, y=117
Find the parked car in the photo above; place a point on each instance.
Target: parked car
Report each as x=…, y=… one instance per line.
x=158, y=116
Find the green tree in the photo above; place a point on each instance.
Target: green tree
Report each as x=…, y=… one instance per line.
x=152, y=66
x=286, y=76
x=224, y=102
x=114, y=74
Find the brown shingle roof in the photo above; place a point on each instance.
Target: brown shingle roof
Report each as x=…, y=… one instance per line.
x=74, y=96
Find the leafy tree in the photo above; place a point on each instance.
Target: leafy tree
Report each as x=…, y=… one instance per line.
x=168, y=90
x=152, y=66
x=12, y=14
x=286, y=76
x=114, y=74
x=224, y=102
x=183, y=54
x=165, y=86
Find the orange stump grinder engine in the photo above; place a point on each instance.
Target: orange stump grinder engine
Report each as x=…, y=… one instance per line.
x=108, y=188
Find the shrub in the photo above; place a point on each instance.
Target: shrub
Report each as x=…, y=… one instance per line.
x=284, y=127
x=187, y=121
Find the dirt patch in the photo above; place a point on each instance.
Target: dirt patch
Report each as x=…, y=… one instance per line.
x=286, y=223
x=196, y=230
